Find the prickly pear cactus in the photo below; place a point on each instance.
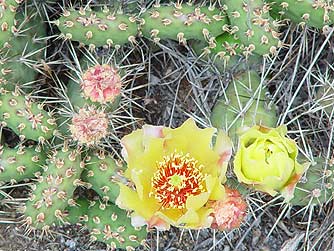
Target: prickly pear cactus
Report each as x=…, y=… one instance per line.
x=7, y=20
x=251, y=21
x=17, y=164
x=245, y=105
x=25, y=117
x=18, y=62
x=98, y=28
x=102, y=172
x=108, y=224
x=316, y=187
x=54, y=189
x=314, y=13
x=183, y=22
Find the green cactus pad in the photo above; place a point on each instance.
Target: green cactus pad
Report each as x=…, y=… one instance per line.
x=7, y=20
x=313, y=13
x=97, y=28
x=20, y=163
x=102, y=172
x=243, y=106
x=109, y=224
x=316, y=187
x=26, y=118
x=19, y=61
x=54, y=190
x=77, y=213
x=251, y=21
x=183, y=22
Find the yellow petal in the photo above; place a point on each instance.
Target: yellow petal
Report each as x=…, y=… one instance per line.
x=129, y=199
x=197, y=201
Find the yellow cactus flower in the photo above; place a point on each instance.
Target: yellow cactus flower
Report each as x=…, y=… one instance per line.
x=267, y=159
x=175, y=173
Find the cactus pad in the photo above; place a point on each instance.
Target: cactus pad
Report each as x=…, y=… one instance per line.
x=54, y=190
x=25, y=117
x=251, y=21
x=20, y=163
x=97, y=28
x=102, y=172
x=183, y=22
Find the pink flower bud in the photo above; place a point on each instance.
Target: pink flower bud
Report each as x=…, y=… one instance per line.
x=229, y=212
x=89, y=126
x=101, y=83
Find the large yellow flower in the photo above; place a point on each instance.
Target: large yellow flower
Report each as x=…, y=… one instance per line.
x=174, y=172
x=267, y=159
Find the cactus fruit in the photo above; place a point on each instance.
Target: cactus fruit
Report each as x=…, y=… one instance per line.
x=20, y=163
x=89, y=125
x=25, y=117
x=250, y=20
x=182, y=22
x=314, y=13
x=101, y=172
x=97, y=28
x=54, y=190
x=245, y=107
x=317, y=185
x=100, y=85
x=7, y=20
x=109, y=224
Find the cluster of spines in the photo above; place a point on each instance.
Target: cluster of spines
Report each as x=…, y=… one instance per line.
x=102, y=172
x=98, y=28
x=107, y=223
x=25, y=117
x=54, y=189
x=20, y=163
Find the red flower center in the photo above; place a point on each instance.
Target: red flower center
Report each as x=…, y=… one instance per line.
x=178, y=177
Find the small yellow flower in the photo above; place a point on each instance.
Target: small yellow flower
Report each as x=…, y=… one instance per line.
x=175, y=173
x=267, y=159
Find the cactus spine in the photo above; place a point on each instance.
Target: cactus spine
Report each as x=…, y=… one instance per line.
x=54, y=189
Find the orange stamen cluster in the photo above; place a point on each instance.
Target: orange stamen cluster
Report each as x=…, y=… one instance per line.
x=178, y=177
